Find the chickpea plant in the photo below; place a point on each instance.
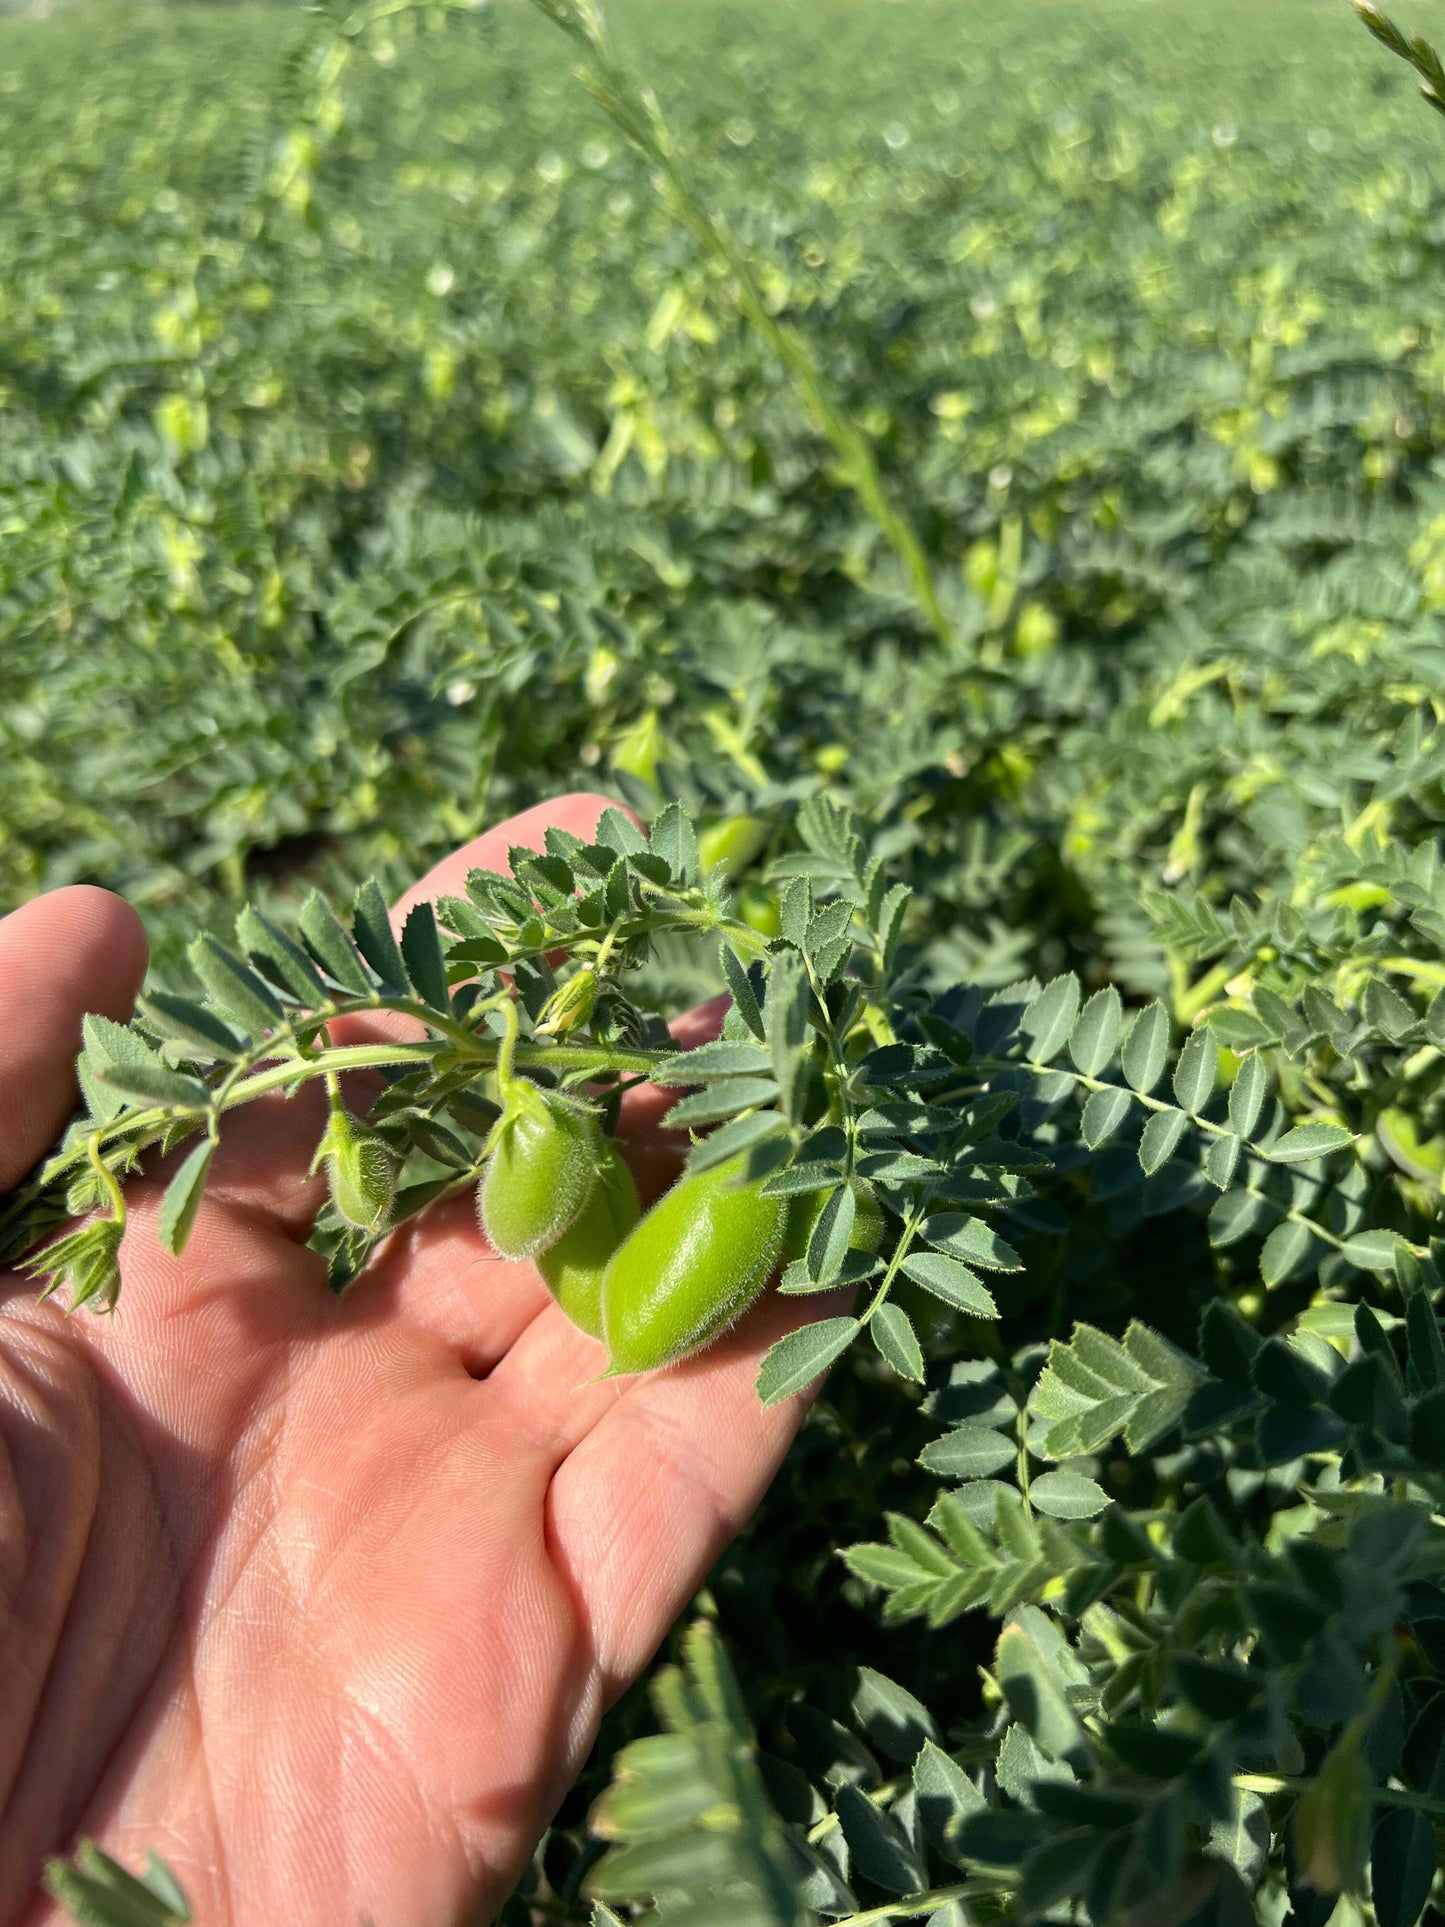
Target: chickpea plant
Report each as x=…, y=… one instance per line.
x=845, y=1122
x=817, y=1124
x=532, y=1039
x=852, y=1127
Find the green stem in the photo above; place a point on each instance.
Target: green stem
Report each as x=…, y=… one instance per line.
x=507, y=1054
x=106, y=1176
x=243, y=1085
x=1188, y=1005
x=895, y=1263
x=1389, y=1796
x=1021, y=1424
x=918, y=1904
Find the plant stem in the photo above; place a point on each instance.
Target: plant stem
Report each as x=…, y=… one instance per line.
x=917, y=1904
x=1388, y=1796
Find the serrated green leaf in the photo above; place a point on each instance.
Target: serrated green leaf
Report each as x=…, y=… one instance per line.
x=1247, y=1095
x=804, y=1355
x=951, y=1281
x=960, y=1236
x=1307, y=1141
x=946, y=1798
x=831, y=1235
x=374, y=938
x=1285, y=1250
x=421, y=952
x=616, y=831
x=971, y=1452
x=744, y=1000
x=897, y=1341
x=154, y=1083
x=1066, y=1494
x=1049, y=1018
x=896, y=1723
x=785, y=1021
x=723, y=1058
x=725, y=1098
x=1196, y=1072
x=332, y=947
x=1158, y=1139
x=201, y=1031
x=877, y=1846
x=1035, y=1692
x=1221, y=1160
x=235, y=986
x=1146, y=1048
x=738, y=1134
x=283, y=962
x=673, y=839
x=183, y=1197
x=1095, y=1036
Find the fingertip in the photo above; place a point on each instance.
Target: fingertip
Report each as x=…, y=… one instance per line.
x=78, y=939
x=62, y=955
x=702, y=1023
x=578, y=812
x=84, y=929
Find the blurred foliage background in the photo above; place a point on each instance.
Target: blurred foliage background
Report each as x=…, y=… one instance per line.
x=380, y=458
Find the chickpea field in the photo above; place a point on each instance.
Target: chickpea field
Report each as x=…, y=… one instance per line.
x=384, y=452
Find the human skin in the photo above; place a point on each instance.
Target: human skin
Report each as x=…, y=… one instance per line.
x=322, y=1599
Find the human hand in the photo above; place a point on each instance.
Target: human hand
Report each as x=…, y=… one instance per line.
x=322, y=1599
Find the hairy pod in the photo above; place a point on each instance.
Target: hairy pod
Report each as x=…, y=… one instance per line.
x=360, y=1173
x=573, y=1268
x=541, y=1172
x=691, y=1268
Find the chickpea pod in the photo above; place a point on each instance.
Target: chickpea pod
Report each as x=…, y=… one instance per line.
x=543, y=1167
x=573, y=1268
x=691, y=1267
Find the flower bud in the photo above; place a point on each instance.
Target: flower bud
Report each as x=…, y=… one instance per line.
x=570, y=1005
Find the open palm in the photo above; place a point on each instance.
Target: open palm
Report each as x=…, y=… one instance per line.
x=322, y=1599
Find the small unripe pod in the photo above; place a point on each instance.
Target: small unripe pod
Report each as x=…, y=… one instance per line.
x=541, y=1171
x=360, y=1173
x=691, y=1268
x=731, y=845
x=573, y=1267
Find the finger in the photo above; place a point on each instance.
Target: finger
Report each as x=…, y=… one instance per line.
x=73, y=951
x=578, y=813
x=650, y=1495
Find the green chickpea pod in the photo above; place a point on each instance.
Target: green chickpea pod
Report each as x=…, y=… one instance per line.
x=573, y=1268
x=691, y=1267
x=360, y=1170
x=541, y=1172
